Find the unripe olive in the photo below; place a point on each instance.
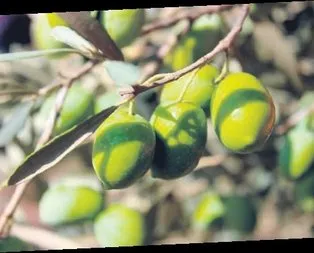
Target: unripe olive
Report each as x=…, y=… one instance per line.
x=304, y=192
x=199, y=91
x=64, y=204
x=209, y=210
x=203, y=37
x=296, y=155
x=41, y=33
x=14, y=244
x=119, y=226
x=123, y=26
x=123, y=149
x=242, y=112
x=297, y=152
x=240, y=213
x=181, y=132
x=77, y=107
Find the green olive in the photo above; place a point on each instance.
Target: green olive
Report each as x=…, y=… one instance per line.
x=181, y=133
x=123, y=149
x=240, y=213
x=41, y=34
x=199, y=91
x=242, y=112
x=14, y=244
x=64, y=204
x=203, y=37
x=108, y=99
x=209, y=210
x=78, y=106
x=123, y=26
x=119, y=226
x=297, y=152
x=304, y=192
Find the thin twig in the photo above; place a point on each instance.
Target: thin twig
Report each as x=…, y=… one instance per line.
x=223, y=45
x=294, y=119
x=153, y=67
x=5, y=219
x=187, y=14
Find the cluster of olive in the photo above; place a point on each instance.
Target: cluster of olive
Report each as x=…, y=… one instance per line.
x=81, y=201
x=123, y=26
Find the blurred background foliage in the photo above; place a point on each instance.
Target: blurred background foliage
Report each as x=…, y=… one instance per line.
x=229, y=196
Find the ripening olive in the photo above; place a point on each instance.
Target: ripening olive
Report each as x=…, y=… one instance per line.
x=304, y=192
x=78, y=106
x=64, y=204
x=123, y=26
x=242, y=112
x=181, y=133
x=199, y=91
x=123, y=149
x=41, y=33
x=208, y=211
x=119, y=226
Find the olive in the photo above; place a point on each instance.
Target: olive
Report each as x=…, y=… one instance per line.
x=242, y=113
x=123, y=149
x=123, y=26
x=181, y=133
x=199, y=90
x=78, y=106
x=209, y=210
x=118, y=226
x=63, y=204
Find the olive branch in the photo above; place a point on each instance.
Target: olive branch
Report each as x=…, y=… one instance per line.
x=148, y=81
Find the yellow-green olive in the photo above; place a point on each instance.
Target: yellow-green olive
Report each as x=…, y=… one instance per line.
x=78, y=106
x=199, y=91
x=41, y=33
x=242, y=112
x=123, y=149
x=118, y=226
x=64, y=204
x=181, y=133
x=123, y=26
x=209, y=210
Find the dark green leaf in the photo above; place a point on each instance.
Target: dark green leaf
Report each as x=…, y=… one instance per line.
x=91, y=30
x=122, y=73
x=34, y=54
x=55, y=150
x=15, y=123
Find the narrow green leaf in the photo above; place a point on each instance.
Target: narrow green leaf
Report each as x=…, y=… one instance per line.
x=122, y=73
x=68, y=36
x=34, y=54
x=15, y=123
x=91, y=30
x=55, y=150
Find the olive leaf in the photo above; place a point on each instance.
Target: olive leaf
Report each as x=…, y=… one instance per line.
x=91, y=30
x=34, y=54
x=16, y=122
x=67, y=36
x=122, y=73
x=55, y=150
